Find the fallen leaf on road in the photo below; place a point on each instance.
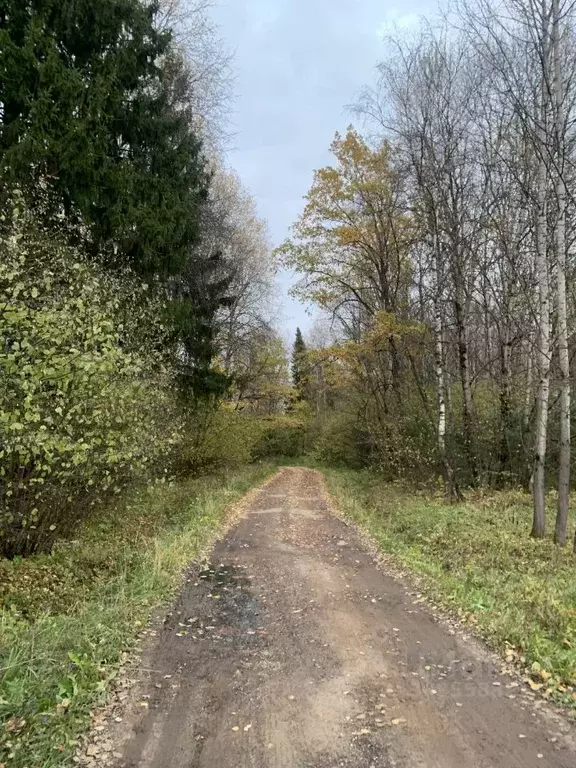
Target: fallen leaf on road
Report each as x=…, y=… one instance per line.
x=398, y=721
x=247, y=727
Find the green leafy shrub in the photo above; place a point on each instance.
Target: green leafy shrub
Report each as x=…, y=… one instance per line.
x=340, y=442
x=85, y=395
x=218, y=437
x=282, y=435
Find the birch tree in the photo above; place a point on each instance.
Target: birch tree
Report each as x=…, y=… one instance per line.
x=523, y=43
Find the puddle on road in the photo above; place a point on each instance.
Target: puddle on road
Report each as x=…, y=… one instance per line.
x=237, y=612
x=224, y=575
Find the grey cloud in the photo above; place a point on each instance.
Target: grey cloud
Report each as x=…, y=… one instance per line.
x=299, y=63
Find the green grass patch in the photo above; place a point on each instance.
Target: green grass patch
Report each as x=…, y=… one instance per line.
x=479, y=561
x=69, y=618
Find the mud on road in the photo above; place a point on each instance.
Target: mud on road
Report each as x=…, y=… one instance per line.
x=294, y=650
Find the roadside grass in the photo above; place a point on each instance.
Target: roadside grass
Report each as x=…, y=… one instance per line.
x=69, y=618
x=479, y=562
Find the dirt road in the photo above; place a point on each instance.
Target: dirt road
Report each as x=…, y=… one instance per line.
x=293, y=650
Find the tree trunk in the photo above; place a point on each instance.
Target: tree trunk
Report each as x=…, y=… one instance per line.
x=451, y=490
x=560, y=244
x=543, y=354
x=396, y=372
x=463, y=362
x=564, y=457
x=528, y=393
x=542, y=273
x=505, y=408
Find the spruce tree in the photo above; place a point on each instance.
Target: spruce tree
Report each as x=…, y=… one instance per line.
x=299, y=365
x=95, y=125
x=90, y=119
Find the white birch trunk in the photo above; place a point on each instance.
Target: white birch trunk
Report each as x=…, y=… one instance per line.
x=543, y=346
x=562, y=318
x=449, y=483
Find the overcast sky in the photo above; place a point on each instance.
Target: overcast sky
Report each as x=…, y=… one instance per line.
x=298, y=64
